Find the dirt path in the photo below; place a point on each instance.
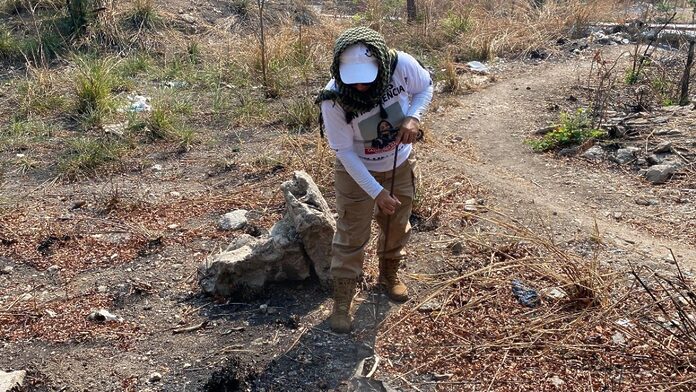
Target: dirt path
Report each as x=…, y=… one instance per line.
x=569, y=195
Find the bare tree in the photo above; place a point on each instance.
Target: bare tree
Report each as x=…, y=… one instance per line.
x=411, y=10
x=262, y=41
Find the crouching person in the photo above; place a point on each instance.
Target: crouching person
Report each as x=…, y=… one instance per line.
x=372, y=89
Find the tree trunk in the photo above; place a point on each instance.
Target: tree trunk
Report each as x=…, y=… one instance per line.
x=684, y=99
x=411, y=10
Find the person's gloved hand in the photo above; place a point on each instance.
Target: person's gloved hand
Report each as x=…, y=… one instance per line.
x=408, y=133
x=387, y=203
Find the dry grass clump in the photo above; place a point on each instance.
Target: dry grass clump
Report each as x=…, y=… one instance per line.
x=671, y=321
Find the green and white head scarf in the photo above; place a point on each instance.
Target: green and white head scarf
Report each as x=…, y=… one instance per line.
x=352, y=101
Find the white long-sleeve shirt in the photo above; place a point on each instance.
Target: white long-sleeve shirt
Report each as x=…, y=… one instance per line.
x=364, y=144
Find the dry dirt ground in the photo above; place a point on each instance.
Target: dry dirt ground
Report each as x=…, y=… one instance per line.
x=135, y=245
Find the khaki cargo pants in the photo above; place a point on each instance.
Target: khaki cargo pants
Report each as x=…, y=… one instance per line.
x=355, y=212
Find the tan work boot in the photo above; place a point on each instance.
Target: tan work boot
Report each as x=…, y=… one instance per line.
x=343, y=290
x=388, y=277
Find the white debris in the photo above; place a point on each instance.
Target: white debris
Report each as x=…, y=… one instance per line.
x=554, y=293
x=556, y=381
x=139, y=103
x=478, y=66
x=103, y=315
x=618, y=338
x=625, y=323
x=154, y=377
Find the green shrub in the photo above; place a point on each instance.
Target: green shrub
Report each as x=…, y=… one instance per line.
x=9, y=46
x=455, y=24
x=93, y=90
x=301, y=114
x=84, y=155
x=631, y=77
x=161, y=124
x=575, y=128
x=144, y=15
x=20, y=133
x=134, y=65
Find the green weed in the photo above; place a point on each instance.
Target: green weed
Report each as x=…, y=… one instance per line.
x=21, y=134
x=135, y=65
x=10, y=48
x=575, y=128
x=85, y=155
x=250, y=110
x=301, y=115
x=144, y=15
x=93, y=90
x=40, y=94
x=161, y=124
x=186, y=138
x=193, y=50
x=631, y=77
x=455, y=24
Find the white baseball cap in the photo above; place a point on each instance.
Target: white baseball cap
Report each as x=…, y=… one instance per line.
x=357, y=64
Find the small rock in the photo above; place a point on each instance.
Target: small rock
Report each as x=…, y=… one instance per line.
x=174, y=194
x=77, y=204
x=26, y=297
x=430, y=306
x=53, y=269
x=234, y=220
x=187, y=365
x=6, y=270
x=663, y=147
x=555, y=293
x=102, y=289
x=470, y=205
x=51, y=313
x=263, y=308
x=157, y=167
x=569, y=151
x=617, y=215
x=594, y=153
x=188, y=18
x=556, y=381
x=618, y=338
x=115, y=129
x=103, y=315
x=653, y=159
x=623, y=156
x=155, y=377
x=659, y=174
x=457, y=248
x=11, y=381
x=644, y=201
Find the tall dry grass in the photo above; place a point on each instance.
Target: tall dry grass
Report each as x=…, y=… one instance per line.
x=496, y=28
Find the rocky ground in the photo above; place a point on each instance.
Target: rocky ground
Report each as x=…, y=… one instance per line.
x=132, y=244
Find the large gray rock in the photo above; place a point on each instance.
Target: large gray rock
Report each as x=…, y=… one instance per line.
x=298, y=243
x=10, y=381
x=594, y=153
x=659, y=174
x=234, y=220
x=255, y=263
x=310, y=215
x=625, y=155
